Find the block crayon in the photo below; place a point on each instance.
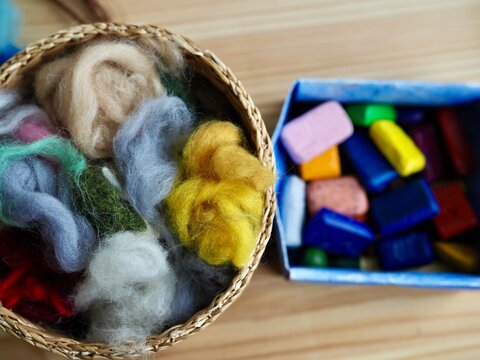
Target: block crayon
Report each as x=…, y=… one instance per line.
x=433, y=267
x=369, y=164
x=410, y=115
x=456, y=215
x=315, y=257
x=426, y=137
x=456, y=141
x=325, y=166
x=337, y=234
x=397, y=147
x=470, y=116
x=293, y=209
x=316, y=131
x=369, y=263
x=367, y=114
x=344, y=262
x=344, y=195
x=458, y=256
x=405, y=251
x=404, y=207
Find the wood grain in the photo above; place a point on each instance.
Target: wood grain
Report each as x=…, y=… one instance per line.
x=268, y=44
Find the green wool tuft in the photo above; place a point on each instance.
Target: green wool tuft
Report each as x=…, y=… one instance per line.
x=100, y=202
x=178, y=86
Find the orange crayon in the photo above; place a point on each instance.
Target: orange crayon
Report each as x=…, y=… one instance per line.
x=324, y=166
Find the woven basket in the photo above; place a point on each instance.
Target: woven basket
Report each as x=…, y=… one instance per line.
x=220, y=76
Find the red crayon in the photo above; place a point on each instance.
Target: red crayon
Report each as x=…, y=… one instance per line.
x=456, y=140
x=456, y=215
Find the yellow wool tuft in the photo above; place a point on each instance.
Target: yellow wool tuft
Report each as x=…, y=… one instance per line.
x=216, y=151
x=219, y=219
x=217, y=207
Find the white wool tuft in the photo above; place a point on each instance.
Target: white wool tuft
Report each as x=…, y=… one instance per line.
x=129, y=288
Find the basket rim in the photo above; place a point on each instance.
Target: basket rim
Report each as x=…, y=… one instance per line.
x=70, y=348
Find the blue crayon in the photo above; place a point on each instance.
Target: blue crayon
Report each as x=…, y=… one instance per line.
x=405, y=251
x=404, y=207
x=372, y=168
x=410, y=115
x=337, y=234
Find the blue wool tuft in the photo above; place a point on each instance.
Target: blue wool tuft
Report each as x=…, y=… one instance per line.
x=9, y=26
x=145, y=150
x=197, y=282
x=35, y=193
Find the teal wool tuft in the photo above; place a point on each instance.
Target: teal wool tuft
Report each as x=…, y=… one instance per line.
x=52, y=147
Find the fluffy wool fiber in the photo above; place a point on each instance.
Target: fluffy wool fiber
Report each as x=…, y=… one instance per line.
x=198, y=282
x=35, y=192
x=52, y=147
x=24, y=121
x=216, y=207
x=145, y=150
x=99, y=200
x=129, y=288
x=216, y=151
x=93, y=90
x=27, y=285
x=220, y=220
x=34, y=127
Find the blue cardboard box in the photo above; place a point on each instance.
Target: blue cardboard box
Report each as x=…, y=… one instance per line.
x=306, y=93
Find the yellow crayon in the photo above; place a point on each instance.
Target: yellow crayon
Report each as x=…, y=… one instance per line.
x=397, y=147
x=324, y=166
x=459, y=256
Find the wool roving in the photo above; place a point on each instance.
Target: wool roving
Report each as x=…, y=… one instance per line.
x=93, y=90
x=216, y=151
x=36, y=193
x=197, y=281
x=8, y=99
x=21, y=284
x=220, y=220
x=98, y=199
x=129, y=288
x=217, y=204
x=18, y=118
x=34, y=127
x=27, y=285
x=56, y=148
x=167, y=56
x=145, y=151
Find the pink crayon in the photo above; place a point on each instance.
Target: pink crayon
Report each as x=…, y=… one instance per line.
x=316, y=131
x=344, y=195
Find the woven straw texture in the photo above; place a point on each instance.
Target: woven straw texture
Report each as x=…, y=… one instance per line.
x=207, y=64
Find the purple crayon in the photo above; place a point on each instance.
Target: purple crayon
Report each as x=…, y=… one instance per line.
x=426, y=137
x=409, y=115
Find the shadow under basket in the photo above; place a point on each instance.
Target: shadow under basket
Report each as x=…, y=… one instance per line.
x=220, y=77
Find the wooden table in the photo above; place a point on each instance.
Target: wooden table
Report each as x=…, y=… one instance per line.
x=269, y=43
